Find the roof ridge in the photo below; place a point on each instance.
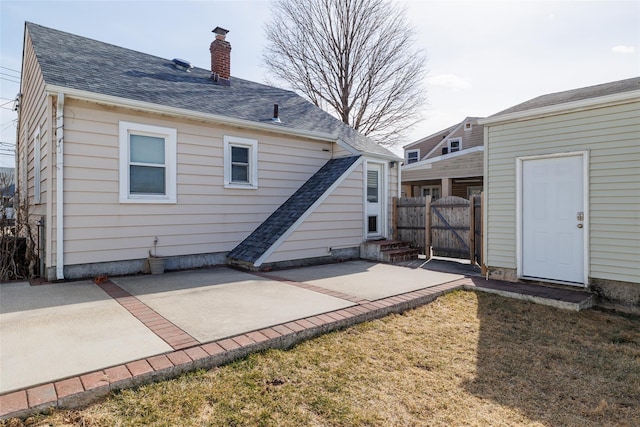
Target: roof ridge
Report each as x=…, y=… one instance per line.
x=586, y=92
x=108, y=69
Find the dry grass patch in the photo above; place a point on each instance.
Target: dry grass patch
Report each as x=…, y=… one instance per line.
x=465, y=359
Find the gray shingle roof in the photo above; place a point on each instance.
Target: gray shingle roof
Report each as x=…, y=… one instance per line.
x=258, y=242
x=76, y=62
x=575, y=95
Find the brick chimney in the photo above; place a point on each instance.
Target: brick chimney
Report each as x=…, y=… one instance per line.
x=221, y=58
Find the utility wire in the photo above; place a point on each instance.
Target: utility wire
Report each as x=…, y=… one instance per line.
x=10, y=69
x=9, y=80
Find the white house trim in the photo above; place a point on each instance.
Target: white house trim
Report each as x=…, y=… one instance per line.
x=347, y=147
x=305, y=215
x=60, y=187
x=252, y=144
x=37, y=167
x=170, y=137
x=567, y=107
x=384, y=225
x=181, y=112
x=585, y=204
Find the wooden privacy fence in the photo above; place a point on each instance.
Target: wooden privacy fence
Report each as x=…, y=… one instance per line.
x=411, y=222
x=448, y=227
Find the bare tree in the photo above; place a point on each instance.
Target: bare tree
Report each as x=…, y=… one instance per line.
x=353, y=58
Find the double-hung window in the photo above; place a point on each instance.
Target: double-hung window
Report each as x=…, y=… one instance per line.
x=413, y=156
x=455, y=144
x=240, y=162
x=147, y=163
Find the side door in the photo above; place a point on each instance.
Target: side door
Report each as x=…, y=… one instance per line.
x=374, y=201
x=553, y=219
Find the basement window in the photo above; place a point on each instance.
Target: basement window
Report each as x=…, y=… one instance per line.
x=147, y=163
x=240, y=163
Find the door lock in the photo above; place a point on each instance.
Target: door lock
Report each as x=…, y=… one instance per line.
x=580, y=216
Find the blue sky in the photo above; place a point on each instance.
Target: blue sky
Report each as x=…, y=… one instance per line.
x=484, y=56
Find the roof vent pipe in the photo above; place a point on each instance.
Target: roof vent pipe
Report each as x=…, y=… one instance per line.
x=276, y=115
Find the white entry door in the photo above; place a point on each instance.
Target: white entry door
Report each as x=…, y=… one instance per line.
x=552, y=224
x=375, y=201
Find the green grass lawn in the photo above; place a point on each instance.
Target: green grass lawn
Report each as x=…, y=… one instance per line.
x=466, y=359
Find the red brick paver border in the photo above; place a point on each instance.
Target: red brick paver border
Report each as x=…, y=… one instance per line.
x=188, y=354
x=166, y=330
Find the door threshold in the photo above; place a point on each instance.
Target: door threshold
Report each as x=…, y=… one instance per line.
x=555, y=282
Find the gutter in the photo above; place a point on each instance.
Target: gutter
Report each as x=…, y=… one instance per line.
x=196, y=115
x=60, y=187
x=181, y=112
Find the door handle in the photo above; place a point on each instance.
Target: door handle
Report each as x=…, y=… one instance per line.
x=580, y=226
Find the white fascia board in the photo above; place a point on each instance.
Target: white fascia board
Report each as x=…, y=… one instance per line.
x=428, y=162
x=392, y=157
x=181, y=112
x=308, y=212
x=347, y=147
x=354, y=151
x=567, y=107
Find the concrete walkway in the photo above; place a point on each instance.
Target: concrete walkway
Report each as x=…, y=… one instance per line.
x=68, y=344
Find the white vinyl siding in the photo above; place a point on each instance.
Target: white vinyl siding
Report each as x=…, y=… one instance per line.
x=36, y=115
x=611, y=136
x=336, y=223
x=207, y=218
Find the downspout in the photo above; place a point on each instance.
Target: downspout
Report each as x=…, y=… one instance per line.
x=398, y=195
x=60, y=187
x=399, y=179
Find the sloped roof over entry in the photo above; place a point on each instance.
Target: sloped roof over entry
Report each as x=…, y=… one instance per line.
x=274, y=227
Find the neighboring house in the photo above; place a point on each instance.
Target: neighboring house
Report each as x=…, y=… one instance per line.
x=447, y=163
x=117, y=148
x=562, y=190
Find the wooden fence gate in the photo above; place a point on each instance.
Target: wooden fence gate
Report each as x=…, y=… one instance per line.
x=448, y=227
x=411, y=220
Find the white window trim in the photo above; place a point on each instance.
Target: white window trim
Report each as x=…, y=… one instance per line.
x=411, y=152
x=36, y=167
x=458, y=140
x=252, y=145
x=170, y=147
x=431, y=188
x=23, y=167
x=468, y=126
